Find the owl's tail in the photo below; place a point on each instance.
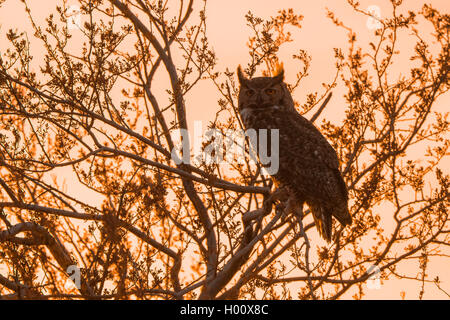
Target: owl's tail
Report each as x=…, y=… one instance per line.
x=323, y=219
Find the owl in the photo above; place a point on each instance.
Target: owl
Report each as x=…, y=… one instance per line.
x=308, y=164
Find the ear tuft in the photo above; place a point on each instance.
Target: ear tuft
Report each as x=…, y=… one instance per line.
x=279, y=69
x=241, y=77
x=278, y=73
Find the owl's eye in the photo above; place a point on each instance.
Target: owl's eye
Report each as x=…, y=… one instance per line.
x=250, y=92
x=270, y=91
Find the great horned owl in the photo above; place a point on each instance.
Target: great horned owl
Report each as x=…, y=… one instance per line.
x=308, y=164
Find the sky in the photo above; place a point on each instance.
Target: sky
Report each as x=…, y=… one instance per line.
x=228, y=35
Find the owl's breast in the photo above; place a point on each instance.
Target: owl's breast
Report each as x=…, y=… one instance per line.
x=295, y=143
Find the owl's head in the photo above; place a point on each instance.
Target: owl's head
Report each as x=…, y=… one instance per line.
x=263, y=92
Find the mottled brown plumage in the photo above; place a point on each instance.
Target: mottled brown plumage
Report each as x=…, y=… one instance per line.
x=308, y=164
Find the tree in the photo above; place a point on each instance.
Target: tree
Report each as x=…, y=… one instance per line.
x=154, y=227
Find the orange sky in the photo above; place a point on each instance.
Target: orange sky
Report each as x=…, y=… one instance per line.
x=228, y=35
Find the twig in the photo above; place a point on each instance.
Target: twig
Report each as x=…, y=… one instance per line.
x=322, y=107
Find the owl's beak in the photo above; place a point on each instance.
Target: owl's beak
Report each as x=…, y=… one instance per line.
x=259, y=99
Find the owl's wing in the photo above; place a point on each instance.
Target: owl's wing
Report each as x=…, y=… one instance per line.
x=321, y=149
